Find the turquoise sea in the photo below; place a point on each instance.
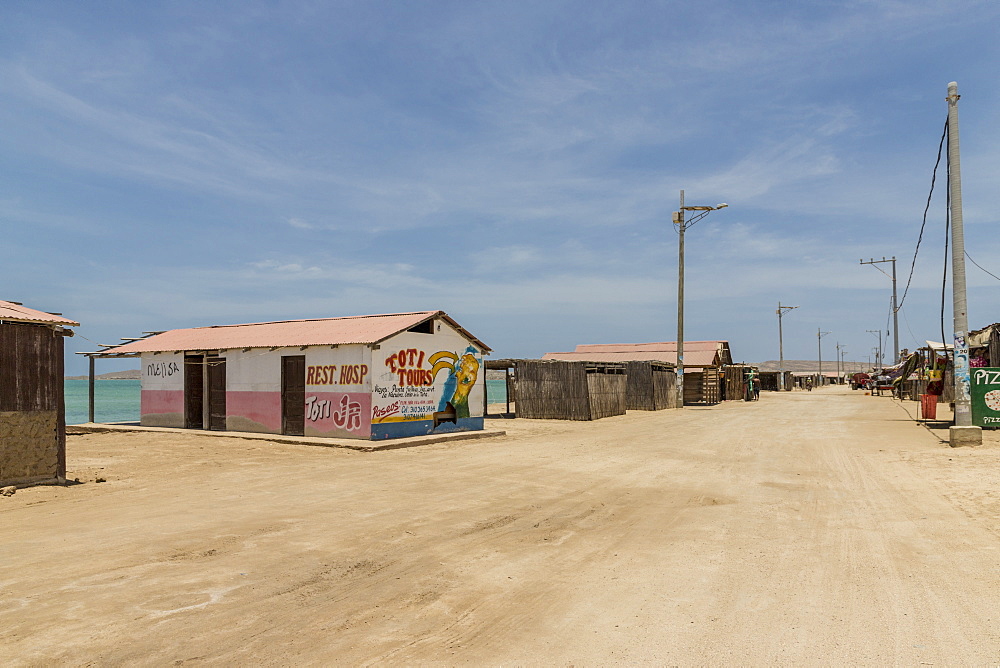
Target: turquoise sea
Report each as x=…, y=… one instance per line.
x=114, y=401
x=118, y=400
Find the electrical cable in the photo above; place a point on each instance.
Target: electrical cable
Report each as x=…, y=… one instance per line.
x=944, y=276
x=977, y=264
x=906, y=321
x=888, y=319
x=920, y=237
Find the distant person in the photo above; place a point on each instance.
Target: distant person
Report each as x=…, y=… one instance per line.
x=755, y=386
x=809, y=384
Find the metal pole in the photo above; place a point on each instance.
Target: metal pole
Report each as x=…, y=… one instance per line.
x=895, y=315
x=894, y=305
x=963, y=402
x=781, y=353
x=819, y=345
x=781, y=347
x=90, y=392
x=680, y=305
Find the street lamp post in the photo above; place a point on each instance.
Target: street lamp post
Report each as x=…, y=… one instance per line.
x=819, y=347
x=781, y=347
x=682, y=225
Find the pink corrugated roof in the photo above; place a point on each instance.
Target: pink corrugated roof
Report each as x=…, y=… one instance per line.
x=694, y=358
x=18, y=313
x=660, y=346
x=696, y=353
x=362, y=329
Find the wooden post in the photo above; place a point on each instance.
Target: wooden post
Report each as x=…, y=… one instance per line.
x=61, y=406
x=506, y=373
x=90, y=391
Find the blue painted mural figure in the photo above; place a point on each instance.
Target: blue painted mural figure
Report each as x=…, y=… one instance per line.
x=461, y=380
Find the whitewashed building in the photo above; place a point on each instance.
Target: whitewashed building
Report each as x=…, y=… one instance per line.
x=368, y=377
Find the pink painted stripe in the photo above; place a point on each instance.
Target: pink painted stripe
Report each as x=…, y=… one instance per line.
x=262, y=407
x=161, y=401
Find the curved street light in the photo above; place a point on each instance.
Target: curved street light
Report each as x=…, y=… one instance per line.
x=682, y=225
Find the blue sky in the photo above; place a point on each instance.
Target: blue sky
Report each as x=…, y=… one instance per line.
x=512, y=163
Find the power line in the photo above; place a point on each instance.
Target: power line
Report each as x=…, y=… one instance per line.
x=920, y=237
x=978, y=265
x=944, y=276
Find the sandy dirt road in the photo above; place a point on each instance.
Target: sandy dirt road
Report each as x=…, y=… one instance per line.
x=810, y=528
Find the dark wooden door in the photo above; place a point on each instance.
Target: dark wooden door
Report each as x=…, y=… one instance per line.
x=194, y=392
x=217, y=393
x=293, y=395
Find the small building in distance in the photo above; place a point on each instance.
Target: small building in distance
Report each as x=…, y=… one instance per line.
x=366, y=377
x=32, y=406
x=703, y=361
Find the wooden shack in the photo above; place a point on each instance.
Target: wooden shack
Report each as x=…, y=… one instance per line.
x=556, y=390
x=32, y=407
x=651, y=386
x=698, y=356
x=771, y=380
x=702, y=386
x=733, y=381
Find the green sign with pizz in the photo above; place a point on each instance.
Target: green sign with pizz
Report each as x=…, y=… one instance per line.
x=985, y=391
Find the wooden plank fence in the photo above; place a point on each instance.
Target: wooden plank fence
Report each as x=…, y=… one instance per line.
x=651, y=386
x=558, y=390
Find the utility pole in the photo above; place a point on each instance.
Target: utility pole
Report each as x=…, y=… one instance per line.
x=895, y=307
x=963, y=432
x=682, y=225
x=838, y=358
x=679, y=220
x=878, y=350
x=819, y=347
x=781, y=346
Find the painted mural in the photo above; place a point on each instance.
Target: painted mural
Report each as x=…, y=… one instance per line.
x=338, y=403
x=423, y=389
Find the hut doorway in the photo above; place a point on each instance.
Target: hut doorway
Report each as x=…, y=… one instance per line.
x=194, y=391
x=205, y=392
x=216, y=393
x=293, y=395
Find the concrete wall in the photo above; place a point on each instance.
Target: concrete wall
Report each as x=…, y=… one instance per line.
x=253, y=390
x=162, y=396
x=29, y=446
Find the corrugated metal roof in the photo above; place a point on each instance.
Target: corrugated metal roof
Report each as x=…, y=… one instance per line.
x=361, y=329
x=17, y=313
x=694, y=358
x=667, y=346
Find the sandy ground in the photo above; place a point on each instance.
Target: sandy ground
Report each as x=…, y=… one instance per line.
x=811, y=528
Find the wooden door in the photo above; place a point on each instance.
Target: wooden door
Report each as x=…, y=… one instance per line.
x=216, y=393
x=293, y=395
x=194, y=392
